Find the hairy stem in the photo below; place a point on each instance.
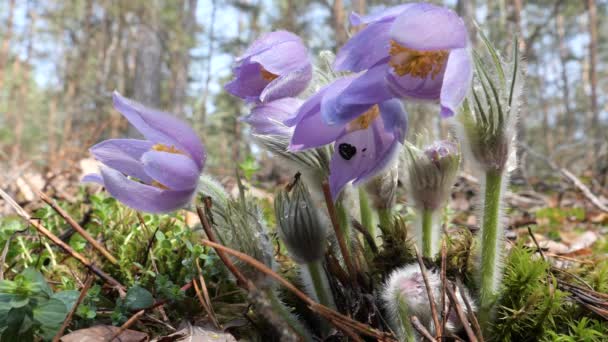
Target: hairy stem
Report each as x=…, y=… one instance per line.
x=490, y=253
x=427, y=233
x=386, y=218
x=321, y=289
x=280, y=308
x=406, y=329
x=366, y=213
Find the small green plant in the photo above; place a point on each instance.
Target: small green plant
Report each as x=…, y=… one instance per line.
x=29, y=308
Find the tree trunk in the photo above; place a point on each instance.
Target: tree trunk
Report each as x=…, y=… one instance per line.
x=339, y=22
x=569, y=121
x=594, y=115
x=148, y=63
x=466, y=9
x=199, y=120
x=187, y=17
x=4, y=49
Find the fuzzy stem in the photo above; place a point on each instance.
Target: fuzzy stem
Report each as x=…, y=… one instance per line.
x=489, y=242
x=386, y=218
x=366, y=213
x=427, y=233
x=404, y=319
x=280, y=308
x=321, y=290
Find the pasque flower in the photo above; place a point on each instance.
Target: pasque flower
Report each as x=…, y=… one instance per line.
x=268, y=118
x=418, y=51
x=158, y=174
x=276, y=65
x=363, y=146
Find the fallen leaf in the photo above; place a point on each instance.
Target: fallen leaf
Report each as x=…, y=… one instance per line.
x=103, y=333
x=586, y=240
x=194, y=333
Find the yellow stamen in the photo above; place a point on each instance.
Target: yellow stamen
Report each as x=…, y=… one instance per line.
x=406, y=61
x=365, y=119
x=267, y=75
x=168, y=149
x=159, y=185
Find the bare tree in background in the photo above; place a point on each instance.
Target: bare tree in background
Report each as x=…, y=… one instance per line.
x=594, y=114
x=569, y=120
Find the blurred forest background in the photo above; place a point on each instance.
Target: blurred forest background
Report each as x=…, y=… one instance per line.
x=60, y=60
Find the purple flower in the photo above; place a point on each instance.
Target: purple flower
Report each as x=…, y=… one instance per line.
x=156, y=175
x=362, y=147
x=418, y=51
x=276, y=65
x=268, y=118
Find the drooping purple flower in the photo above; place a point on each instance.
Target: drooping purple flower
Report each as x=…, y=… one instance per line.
x=158, y=174
x=275, y=66
x=418, y=51
x=362, y=147
x=268, y=118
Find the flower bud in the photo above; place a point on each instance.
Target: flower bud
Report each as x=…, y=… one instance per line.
x=383, y=188
x=432, y=173
x=406, y=286
x=299, y=225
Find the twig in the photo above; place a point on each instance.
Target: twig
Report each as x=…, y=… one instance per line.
x=444, y=308
x=470, y=312
x=569, y=176
x=461, y=315
x=151, y=241
x=128, y=324
x=540, y=250
x=78, y=228
x=368, y=237
x=240, y=278
x=331, y=209
x=87, y=285
x=429, y=292
x=340, y=321
x=421, y=329
x=41, y=229
x=206, y=297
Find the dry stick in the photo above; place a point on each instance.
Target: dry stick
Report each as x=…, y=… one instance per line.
x=197, y=290
x=331, y=209
x=429, y=292
x=461, y=315
x=329, y=314
x=205, y=293
x=87, y=284
x=444, y=266
x=540, y=250
x=42, y=230
x=240, y=278
x=470, y=312
x=78, y=228
x=128, y=324
x=421, y=329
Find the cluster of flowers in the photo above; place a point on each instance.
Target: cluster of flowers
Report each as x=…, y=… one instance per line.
x=411, y=52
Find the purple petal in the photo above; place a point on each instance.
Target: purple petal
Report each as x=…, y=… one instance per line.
x=364, y=49
x=425, y=26
x=269, y=118
x=268, y=41
x=141, y=196
x=384, y=15
x=310, y=129
x=287, y=85
x=456, y=81
x=283, y=58
x=175, y=171
x=248, y=82
x=394, y=118
x=347, y=103
x=124, y=155
x=375, y=148
x=427, y=88
x=92, y=178
x=160, y=127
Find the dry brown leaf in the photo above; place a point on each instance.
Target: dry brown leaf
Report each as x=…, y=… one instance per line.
x=103, y=333
x=586, y=240
x=194, y=333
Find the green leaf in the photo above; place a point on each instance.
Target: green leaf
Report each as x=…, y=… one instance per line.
x=50, y=313
x=68, y=298
x=39, y=283
x=138, y=298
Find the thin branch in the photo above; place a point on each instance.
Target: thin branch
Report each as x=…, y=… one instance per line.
x=331, y=209
x=421, y=329
x=87, y=285
x=444, y=307
x=429, y=292
x=48, y=234
x=339, y=320
x=128, y=324
x=78, y=228
x=470, y=312
x=461, y=315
